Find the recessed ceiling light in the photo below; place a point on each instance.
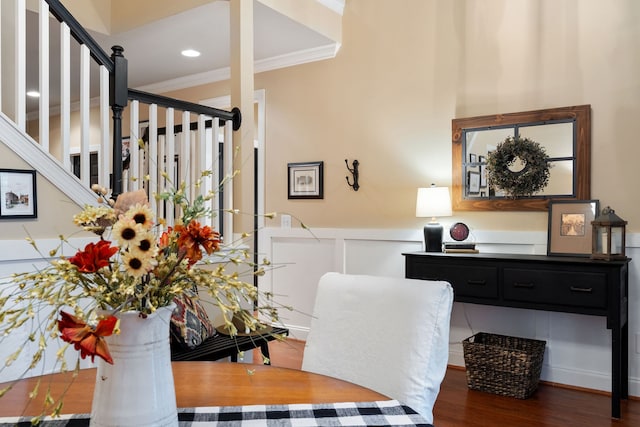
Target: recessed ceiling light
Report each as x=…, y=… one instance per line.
x=190, y=53
x=33, y=94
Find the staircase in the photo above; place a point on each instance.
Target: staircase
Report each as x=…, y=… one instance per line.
x=166, y=141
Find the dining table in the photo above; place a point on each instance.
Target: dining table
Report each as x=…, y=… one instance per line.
x=224, y=394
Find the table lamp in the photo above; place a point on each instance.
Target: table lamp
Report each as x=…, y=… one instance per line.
x=433, y=202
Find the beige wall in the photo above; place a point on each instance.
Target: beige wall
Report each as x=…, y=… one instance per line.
x=52, y=206
x=115, y=16
x=129, y=14
x=407, y=67
x=94, y=15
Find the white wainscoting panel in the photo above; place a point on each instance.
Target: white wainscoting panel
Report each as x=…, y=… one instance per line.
x=298, y=265
x=578, y=346
x=377, y=258
x=18, y=256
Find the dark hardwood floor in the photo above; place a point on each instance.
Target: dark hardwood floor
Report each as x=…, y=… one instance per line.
x=550, y=406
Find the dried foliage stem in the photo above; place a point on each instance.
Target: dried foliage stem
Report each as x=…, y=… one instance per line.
x=136, y=264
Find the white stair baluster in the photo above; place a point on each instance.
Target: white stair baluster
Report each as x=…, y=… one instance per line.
x=43, y=40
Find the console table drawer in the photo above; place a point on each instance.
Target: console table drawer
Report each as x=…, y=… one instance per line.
x=570, y=288
x=475, y=281
x=470, y=281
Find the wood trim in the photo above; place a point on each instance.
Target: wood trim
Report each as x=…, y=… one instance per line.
x=582, y=115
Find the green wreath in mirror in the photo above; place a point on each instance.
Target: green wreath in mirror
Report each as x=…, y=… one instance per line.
x=518, y=166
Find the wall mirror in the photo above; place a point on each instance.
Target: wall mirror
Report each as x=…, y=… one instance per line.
x=564, y=132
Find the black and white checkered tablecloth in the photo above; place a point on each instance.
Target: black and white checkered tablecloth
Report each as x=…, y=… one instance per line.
x=383, y=413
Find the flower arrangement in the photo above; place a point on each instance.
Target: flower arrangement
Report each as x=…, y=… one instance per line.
x=531, y=179
x=136, y=264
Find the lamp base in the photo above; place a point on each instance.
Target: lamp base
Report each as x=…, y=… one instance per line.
x=433, y=237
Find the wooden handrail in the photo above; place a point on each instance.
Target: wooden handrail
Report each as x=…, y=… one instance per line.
x=149, y=98
x=81, y=35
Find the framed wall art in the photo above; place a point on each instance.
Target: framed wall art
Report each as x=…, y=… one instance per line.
x=483, y=171
x=305, y=180
x=18, y=190
x=570, y=226
x=473, y=182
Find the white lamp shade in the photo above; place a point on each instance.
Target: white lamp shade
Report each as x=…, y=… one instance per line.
x=433, y=202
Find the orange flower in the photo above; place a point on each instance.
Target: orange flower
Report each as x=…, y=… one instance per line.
x=193, y=236
x=165, y=239
x=88, y=340
x=94, y=257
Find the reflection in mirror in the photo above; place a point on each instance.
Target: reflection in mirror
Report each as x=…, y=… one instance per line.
x=563, y=132
x=556, y=138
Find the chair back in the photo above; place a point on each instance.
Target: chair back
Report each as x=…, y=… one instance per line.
x=387, y=334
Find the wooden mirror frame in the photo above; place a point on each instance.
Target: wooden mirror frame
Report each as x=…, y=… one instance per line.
x=582, y=168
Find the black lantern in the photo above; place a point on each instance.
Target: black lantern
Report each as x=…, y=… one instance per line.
x=608, y=240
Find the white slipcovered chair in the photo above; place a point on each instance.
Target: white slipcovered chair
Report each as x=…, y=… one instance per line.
x=387, y=334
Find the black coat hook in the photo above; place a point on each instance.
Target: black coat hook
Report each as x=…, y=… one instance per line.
x=354, y=173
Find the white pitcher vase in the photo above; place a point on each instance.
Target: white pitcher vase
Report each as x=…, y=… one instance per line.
x=137, y=390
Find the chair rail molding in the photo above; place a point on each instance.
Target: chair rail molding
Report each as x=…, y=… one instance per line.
x=300, y=257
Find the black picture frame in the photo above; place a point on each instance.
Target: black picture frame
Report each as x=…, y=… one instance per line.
x=305, y=180
x=19, y=197
x=569, y=228
x=483, y=171
x=473, y=182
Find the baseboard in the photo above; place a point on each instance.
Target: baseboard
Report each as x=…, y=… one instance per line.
x=296, y=333
x=572, y=379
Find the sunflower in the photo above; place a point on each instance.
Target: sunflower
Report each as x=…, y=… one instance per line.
x=137, y=263
x=148, y=245
x=127, y=232
x=141, y=214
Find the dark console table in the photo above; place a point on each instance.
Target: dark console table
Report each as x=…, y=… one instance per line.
x=564, y=284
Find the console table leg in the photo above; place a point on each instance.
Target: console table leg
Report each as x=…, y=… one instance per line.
x=616, y=370
x=624, y=391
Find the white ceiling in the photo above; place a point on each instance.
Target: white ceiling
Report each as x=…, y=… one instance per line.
x=153, y=50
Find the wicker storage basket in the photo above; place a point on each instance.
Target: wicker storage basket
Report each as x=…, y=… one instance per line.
x=499, y=364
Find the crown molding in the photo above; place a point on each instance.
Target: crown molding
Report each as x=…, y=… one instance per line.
x=282, y=61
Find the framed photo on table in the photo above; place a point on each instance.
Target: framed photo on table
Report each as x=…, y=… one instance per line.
x=18, y=190
x=305, y=180
x=570, y=231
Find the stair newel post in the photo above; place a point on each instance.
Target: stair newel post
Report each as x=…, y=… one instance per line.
x=118, y=98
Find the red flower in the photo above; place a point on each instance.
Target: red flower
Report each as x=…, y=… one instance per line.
x=94, y=257
x=193, y=236
x=86, y=339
